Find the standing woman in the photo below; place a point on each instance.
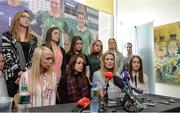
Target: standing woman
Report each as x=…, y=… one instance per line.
x=95, y=57
x=17, y=47
x=107, y=65
x=119, y=60
x=76, y=49
x=74, y=84
x=52, y=41
x=128, y=55
x=40, y=79
x=138, y=78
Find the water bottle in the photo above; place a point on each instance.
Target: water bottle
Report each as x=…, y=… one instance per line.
x=23, y=99
x=94, y=106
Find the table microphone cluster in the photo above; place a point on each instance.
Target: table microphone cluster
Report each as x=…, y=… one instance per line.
x=129, y=99
x=130, y=102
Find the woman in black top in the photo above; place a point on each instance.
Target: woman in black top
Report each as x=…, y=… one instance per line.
x=17, y=48
x=95, y=57
x=74, y=84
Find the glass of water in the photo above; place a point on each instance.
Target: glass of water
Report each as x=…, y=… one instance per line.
x=6, y=104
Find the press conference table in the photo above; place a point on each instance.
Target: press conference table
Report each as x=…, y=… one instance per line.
x=159, y=107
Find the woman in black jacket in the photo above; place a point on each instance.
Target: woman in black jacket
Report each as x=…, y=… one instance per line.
x=18, y=46
x=74, y=84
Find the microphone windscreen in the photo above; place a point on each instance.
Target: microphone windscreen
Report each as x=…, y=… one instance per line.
x=118, y=82
x=83, y=102
x=125, y=75
x=108, y=75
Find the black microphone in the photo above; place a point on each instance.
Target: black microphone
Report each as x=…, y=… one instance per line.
x=108, y=76
x=136, y=104
x=126, y=78
x=120, y=83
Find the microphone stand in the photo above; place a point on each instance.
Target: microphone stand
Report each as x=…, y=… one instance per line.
x=106, y=93
x=130, y=102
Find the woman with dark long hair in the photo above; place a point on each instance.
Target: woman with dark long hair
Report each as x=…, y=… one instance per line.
x=76, y=49
x=74, y=84
x=52, y=41
x=137, y=78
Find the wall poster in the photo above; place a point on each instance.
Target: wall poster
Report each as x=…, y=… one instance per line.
x=72, y=18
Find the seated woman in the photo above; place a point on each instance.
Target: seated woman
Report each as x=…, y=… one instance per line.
x=107, y=65
x=40, y=79
x=137, y=78
x=74, y=84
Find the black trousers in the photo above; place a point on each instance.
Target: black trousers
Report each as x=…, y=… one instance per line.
x=12, y=87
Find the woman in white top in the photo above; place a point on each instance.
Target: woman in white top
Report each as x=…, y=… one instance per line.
x=137, y=78
x=107, y=65
x=40, y=79
x=3, y=87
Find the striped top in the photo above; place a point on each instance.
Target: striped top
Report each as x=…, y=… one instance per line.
x=45, y=94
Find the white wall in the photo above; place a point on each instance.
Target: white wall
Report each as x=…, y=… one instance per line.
x=132, y=13
x=105, y=28
x=135, y=12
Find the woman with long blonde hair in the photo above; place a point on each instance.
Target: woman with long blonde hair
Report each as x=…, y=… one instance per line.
x=95, y=57
x=107, y=65
x=119, y=60
x=40, y=79
x=17, y=48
